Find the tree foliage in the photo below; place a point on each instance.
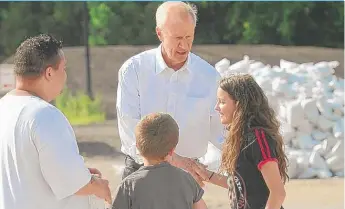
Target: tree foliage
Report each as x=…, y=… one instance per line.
x=133, y=23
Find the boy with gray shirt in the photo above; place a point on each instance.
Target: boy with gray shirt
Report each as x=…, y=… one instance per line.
x=157, y=184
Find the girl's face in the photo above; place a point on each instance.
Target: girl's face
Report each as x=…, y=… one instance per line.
x=226, y=106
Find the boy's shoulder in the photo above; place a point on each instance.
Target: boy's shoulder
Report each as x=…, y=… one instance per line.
x=149, y=173
x=149, y=182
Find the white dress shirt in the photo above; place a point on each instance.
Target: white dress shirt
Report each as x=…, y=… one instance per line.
x=146, y=85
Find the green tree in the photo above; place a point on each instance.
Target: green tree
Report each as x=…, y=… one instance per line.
x=99, y=13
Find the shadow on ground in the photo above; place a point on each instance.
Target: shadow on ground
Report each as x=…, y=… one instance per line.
x=98, y=149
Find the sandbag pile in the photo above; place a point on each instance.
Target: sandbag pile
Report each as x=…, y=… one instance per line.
x=309, y=101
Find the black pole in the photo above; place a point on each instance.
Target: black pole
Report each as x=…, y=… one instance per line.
x=87, y=51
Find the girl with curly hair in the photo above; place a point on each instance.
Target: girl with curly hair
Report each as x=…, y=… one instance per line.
x=252, y=157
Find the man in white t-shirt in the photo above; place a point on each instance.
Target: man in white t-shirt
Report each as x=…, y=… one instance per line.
x=40, y=164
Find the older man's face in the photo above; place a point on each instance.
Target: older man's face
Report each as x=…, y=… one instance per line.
x=177, y=36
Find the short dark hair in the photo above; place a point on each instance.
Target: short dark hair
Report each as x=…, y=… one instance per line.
x=156, y=135
x=35, y=54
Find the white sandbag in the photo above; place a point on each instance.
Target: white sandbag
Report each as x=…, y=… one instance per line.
x=222, y=65
x=319, y=135
x=329, y=143
x=323, y=69
x=306, y=91
x=212, y=158
x=256, y=65
x=241, y=66
x=334, y=104
x=280, y=86
x=324, y=124
x=323, y=173
x=305, y=126
x=307, y=173
x=333, y=84
x=339, y=174
x=324, y=85
x=333, y=64
x=317, y=162
x=296, y=77
x=265, y=83
x=337, y=150
x=338, y=129
x=284, y=64
x=292, y=168
x=320, y=148
x=310, y=109
x=304, y=66
x=338, y=96
x=288, y=132
x=281, y=112
x=294, y=113
x=303, y=160
x=304, y=141
x=278, y=70
x=338, y=113
x=323, y=106
x=319, y=92
x=335, y=164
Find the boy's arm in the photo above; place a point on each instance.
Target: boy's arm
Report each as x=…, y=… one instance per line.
x=200, y=205
x=122, y=199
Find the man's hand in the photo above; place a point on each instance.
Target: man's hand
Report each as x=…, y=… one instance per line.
x=201, y=170
x=103, y=190
x=95, y=171
x=189, y=165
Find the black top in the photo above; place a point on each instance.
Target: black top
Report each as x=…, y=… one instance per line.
x=251, y=191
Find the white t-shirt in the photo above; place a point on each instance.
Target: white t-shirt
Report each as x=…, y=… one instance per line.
x=40, y=163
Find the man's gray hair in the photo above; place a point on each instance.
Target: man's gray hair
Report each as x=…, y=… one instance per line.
x=161, y=12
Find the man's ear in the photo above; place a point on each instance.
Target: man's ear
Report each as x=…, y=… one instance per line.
x=159, y=33
x=48, y=73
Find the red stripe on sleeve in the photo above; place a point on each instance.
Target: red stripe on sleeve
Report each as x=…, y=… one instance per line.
x=266, y=144
x=258, y=138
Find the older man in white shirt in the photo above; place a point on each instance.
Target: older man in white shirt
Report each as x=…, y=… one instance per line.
x=170, y=79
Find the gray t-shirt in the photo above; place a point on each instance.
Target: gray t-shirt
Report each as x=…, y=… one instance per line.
x=157, y=187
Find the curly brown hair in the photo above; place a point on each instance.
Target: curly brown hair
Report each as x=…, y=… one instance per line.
x=252, y=109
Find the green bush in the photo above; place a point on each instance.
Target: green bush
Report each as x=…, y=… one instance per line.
x=80, y=109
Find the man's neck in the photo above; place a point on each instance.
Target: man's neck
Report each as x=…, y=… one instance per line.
x=31, y=88
x=169, y=63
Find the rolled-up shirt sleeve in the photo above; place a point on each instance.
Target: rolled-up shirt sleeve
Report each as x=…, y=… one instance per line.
x=62, y=166
x=128, y=107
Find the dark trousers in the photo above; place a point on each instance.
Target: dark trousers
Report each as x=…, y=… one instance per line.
x=130, y=166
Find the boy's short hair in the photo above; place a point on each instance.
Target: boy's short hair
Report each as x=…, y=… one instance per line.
x=156, y=135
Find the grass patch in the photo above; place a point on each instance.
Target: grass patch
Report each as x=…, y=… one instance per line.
x=79, y=108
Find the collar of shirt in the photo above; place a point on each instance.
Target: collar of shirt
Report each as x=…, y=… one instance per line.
x=161, y=65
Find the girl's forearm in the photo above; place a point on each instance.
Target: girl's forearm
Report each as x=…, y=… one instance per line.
x=218, y=179
x=275, y=201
